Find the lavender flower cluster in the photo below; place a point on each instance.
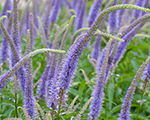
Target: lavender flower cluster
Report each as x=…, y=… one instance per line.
x=57, y=76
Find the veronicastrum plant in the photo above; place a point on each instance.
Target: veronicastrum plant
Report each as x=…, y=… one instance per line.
x=58, y=90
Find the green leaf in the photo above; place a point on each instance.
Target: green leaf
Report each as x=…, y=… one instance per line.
x=135, y=64
x=110, y=94
x=115, y=109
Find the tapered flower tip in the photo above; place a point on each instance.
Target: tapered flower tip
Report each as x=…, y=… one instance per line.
x=1, y=19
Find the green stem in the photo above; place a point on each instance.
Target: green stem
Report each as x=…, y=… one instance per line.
x=66, y=33
x=73, y=12
x=16, y=112
x=44, y=37
x=61, y=96
x=63, y=42
x=109, y=35
x=12, y=44
x=43, y=34
x=77, y=32
x=139, y=109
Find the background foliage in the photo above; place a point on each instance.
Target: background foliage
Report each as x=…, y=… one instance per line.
x=115, y=90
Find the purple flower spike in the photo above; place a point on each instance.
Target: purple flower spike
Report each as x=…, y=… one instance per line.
x=81, y=14
x=137, y=13
x=67, y=4
x=145, y=4
x=62, y=78
x=146, y=78
x=14, y=56
x=128, y=37
x=5, y=47
x=5, y=43
x=27, y=18
x=22, y=77
x=96, y=7
x=97, y=100
x=99, y=87
x=30, y=47
x=35, y=13
x=74, y=4
x=112, y=20
x=52, y=71
x=55, y=11
x=15, y=27
x=7, y=6
x=45, y=85
x=146, y=74
x=53, y=2
x=97, y=47
x=101, y=80
x=42, y=87
x=127, y=34
x=46, y=18
x=32, y=35
x=65, y=71
x=29, y=98
x=125, y=109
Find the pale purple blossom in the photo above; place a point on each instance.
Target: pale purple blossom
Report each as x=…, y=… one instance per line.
x=99, y=87
x=7, y=6
x=138, y=13
x=27, y=18
x=46, y=25
x=35, y=13
x=94, y=10
x=97, y=47
x=55, y=10
x=42, y=87
x=80, y=14
x=29, y=98
x=113, y=19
